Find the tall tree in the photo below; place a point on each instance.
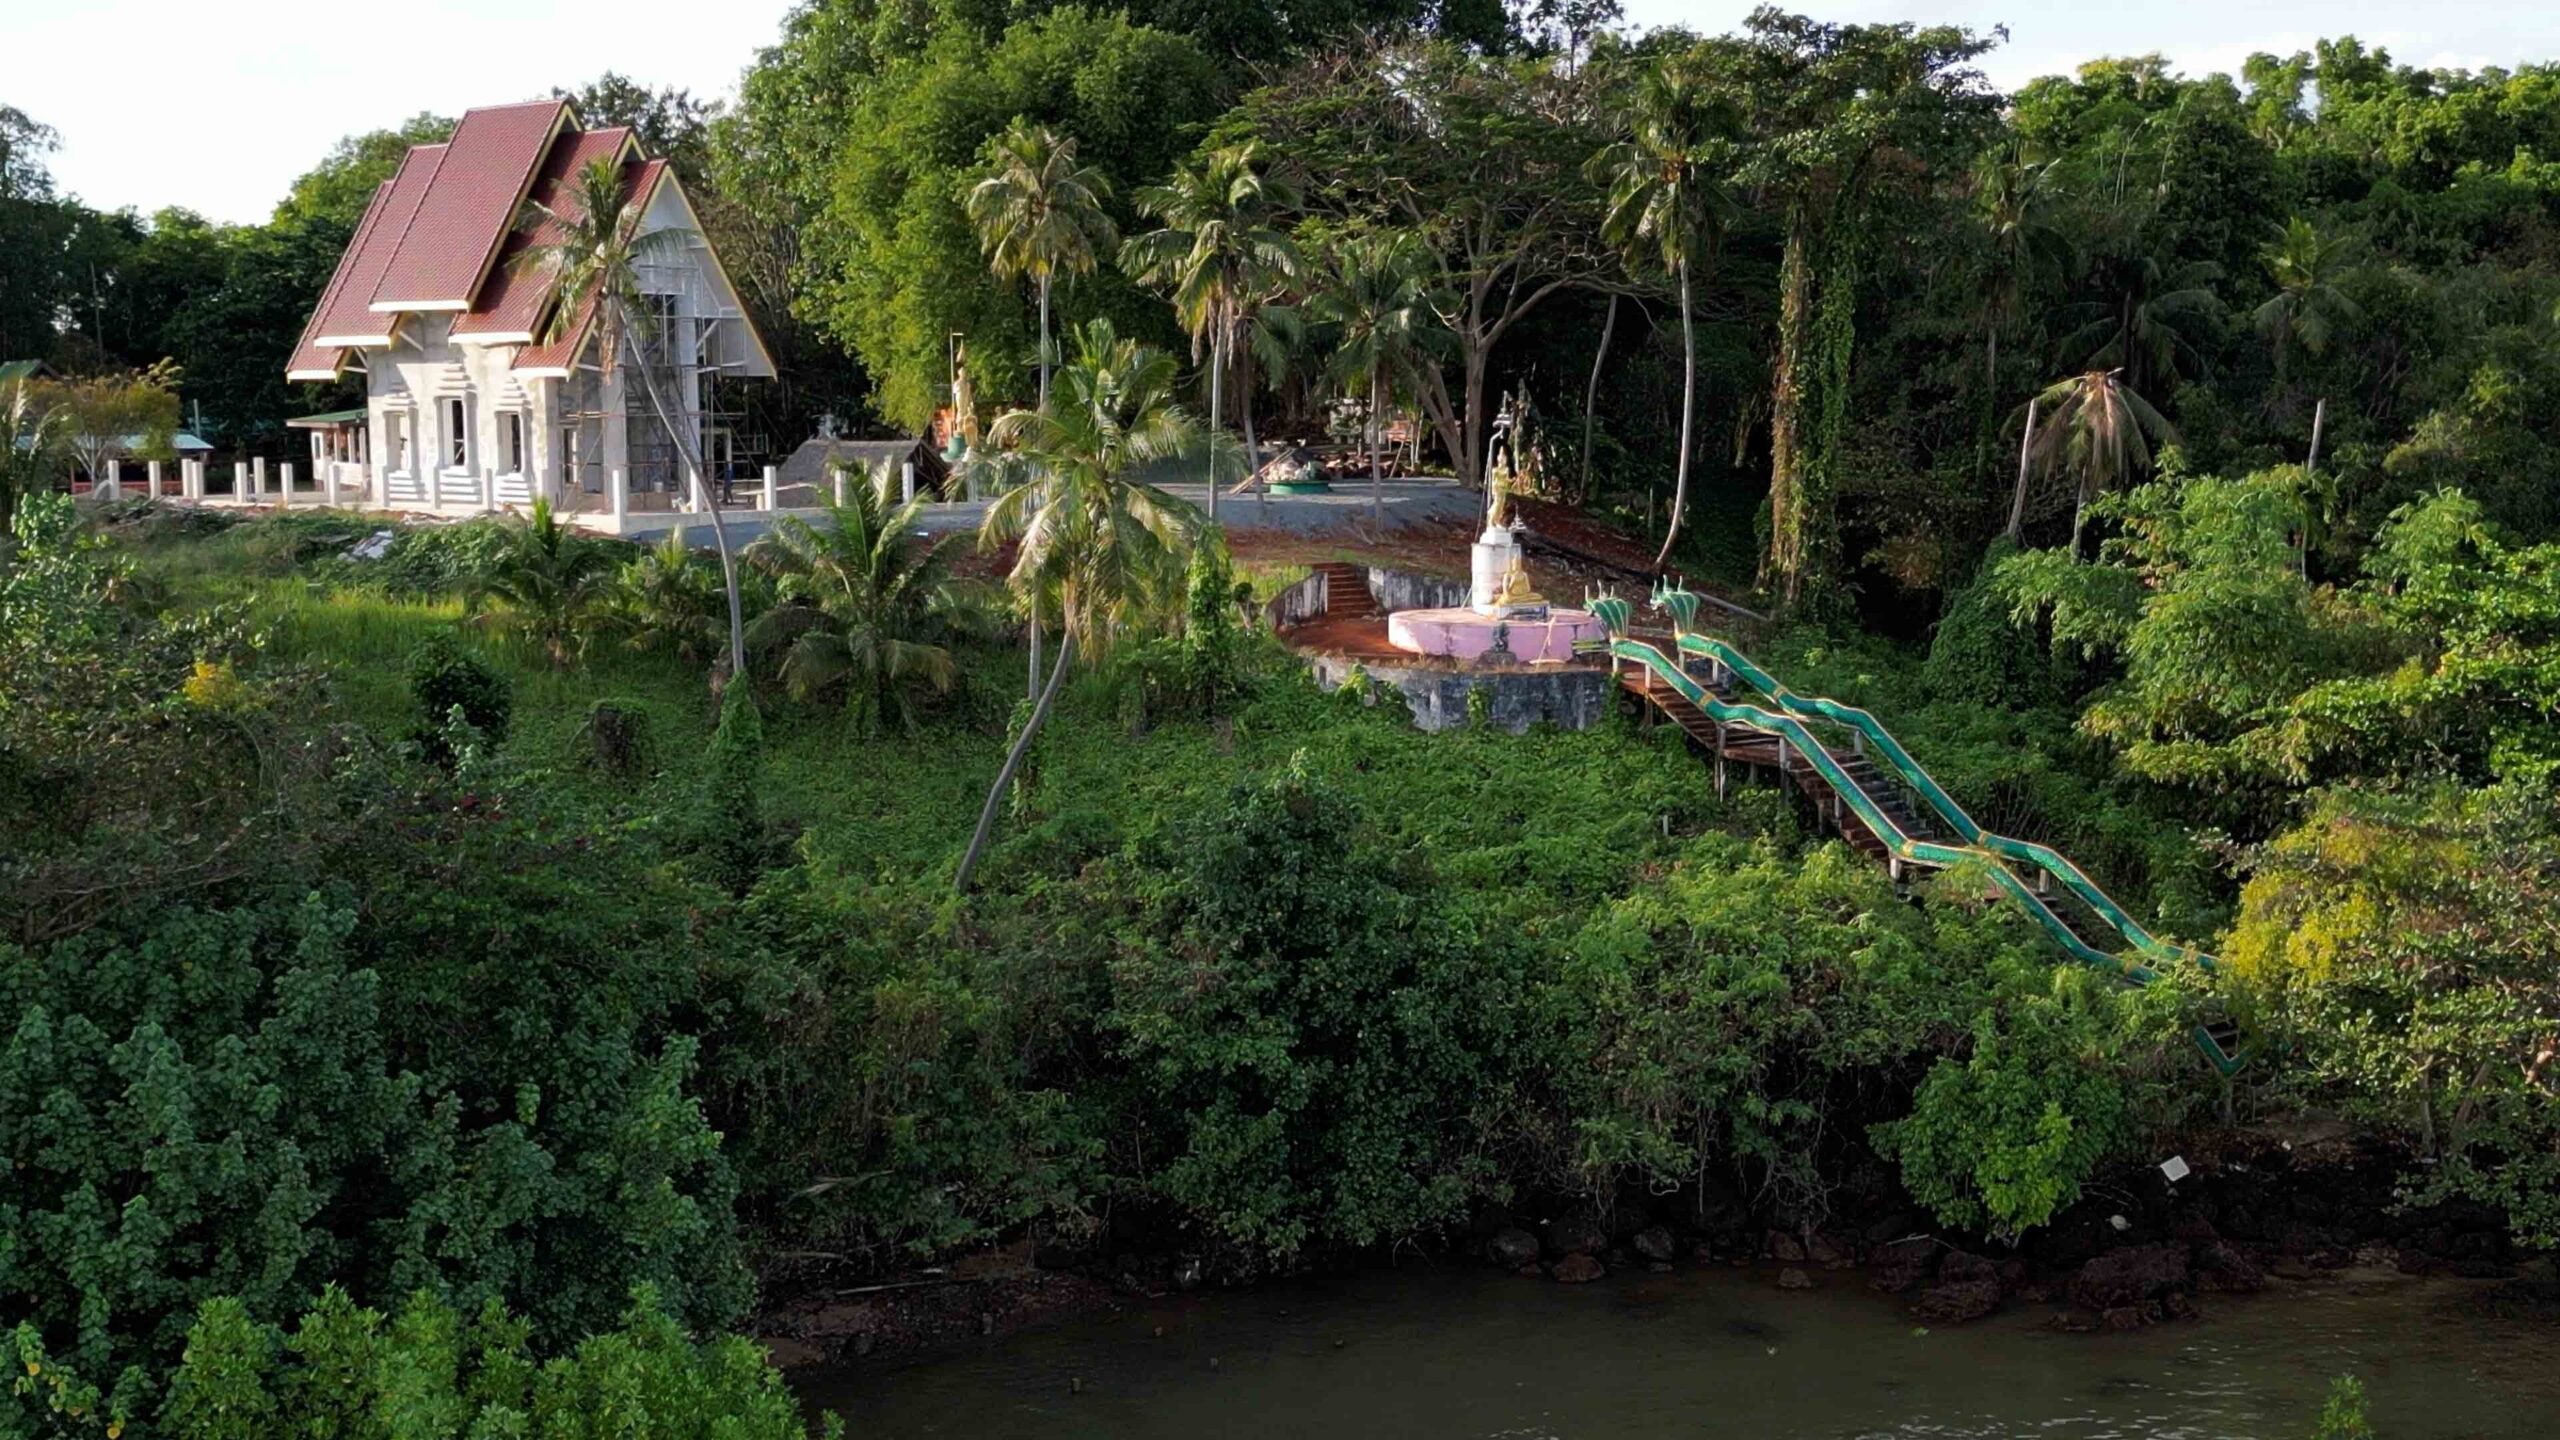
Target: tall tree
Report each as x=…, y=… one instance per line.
x=591, y=250
x=1087, y=526
x=1039, y=214
x=2308, y=307
x=1370, y=304
x=1666, y=195
x=1826, y=106
x=101, y=419
x=1221, y=255
x=1479, y=158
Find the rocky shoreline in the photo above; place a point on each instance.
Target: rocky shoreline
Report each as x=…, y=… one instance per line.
x=2141, y=1249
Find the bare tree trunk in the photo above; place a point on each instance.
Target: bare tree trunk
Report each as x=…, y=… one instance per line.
x=1688, y=410
x=1217, y=416
x=1591, y=391
x=1244, y=383
x=1032, y=690
x=692, y=461
x=1782, y=568
x=1377, y=463
x=2018, y=499
x=1044, y=344
x=2310, y=467
x=1013, y=761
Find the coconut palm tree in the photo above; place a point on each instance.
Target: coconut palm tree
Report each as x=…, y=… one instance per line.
x=663, y=603
x=1093, y=535
x=1666, y=196
x=1221, y=256
x=2012, y=202
x=2154, y=328
x=548, y=585
x=1372, y=306
x=2308, y=307
x=862, y=607
x=1039, y=214
x=590, y=250
x=2101, y=432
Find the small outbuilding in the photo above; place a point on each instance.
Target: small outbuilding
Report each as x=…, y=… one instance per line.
x=806, y=476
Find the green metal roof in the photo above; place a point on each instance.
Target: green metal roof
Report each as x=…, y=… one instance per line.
x=18, y=369
x=334, y=417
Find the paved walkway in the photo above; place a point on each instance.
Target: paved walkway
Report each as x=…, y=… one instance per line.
x=1407, y=502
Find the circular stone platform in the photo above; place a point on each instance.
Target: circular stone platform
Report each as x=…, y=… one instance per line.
x=1462, y=634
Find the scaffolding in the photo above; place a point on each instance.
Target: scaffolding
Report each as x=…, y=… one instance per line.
x=693, y=341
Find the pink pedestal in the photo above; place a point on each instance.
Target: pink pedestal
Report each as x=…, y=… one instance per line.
x=1462, y=634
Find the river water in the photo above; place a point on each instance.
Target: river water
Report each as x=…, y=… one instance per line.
x=1715, y=1352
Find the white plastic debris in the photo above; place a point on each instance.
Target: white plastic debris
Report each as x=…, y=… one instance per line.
x=2175, y=1167
x=2121, y=1223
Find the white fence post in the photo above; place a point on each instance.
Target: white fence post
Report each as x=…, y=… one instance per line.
x=621, y=498
x=488, y=490
x=907, y=481
x=772, y=487
x=107, y=482
x=838, y=472
x=153, y=470
x=696, y=498
x=328, y=482
x=284, y=483
x=258, y=478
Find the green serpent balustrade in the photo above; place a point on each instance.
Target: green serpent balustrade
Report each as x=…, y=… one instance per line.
x=1992, y=854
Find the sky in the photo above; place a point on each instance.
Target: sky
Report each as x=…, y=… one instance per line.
x=216, y=105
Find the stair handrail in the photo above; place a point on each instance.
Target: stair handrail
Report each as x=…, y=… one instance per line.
x=1896, y=841
x=2053, y=862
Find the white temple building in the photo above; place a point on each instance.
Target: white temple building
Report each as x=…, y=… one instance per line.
x=467, y=407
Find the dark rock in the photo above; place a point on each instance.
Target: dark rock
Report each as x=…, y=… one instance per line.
x=1961, y=1266
x=1486, y=1221
x=2221, y=1267
x=2470, y=1269
x=2122, y=1318
x=1904, y=1264
x=1956, y=1303
x=1831, y=1252
x=1576, y=1235
x=1792, y=1278
x=1654, y=1243
x=2194, y=1227
x=2013, y=1274
x=1785, y=1247
x=1512, y=1248
x=786, y=1354
x=1579, y=1269
x=2131, y=1277
x=2478, y=1245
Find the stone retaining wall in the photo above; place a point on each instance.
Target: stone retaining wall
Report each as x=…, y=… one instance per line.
x=1571, y=699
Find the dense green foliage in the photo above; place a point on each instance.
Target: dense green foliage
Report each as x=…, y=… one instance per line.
x=343, y=1369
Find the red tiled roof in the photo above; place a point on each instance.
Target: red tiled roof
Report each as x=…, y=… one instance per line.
x=450, y=239
x=510, y=303
x=344, y=317
x=640, y=179
x=311, y=359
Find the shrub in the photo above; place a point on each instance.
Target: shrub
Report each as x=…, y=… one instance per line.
x=444, y=677
x=618, y=736
x=729, y=818
x=348, y=1370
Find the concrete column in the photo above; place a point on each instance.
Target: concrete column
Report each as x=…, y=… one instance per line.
x=772, y=487
x=108, y=483
x=284, y=484
x=188, y=486
x=836, y=474
x=488, y=490
x=696, y=500
x=153, y=470
x=258, y=478
x=621, y=494
x=906, y=481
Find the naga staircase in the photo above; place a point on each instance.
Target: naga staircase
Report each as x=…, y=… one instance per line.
x=1883, y=804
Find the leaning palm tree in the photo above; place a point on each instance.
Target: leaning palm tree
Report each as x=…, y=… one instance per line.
x=1039, y=214
x=1666, y=196
x=862, y=608
x=1221, y=255
x=2308, y=307
x=2101, y=432
x=1091, y=533
x=589, y=248
x=2157, y=328
x=548, y=585
x=1371, y=302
